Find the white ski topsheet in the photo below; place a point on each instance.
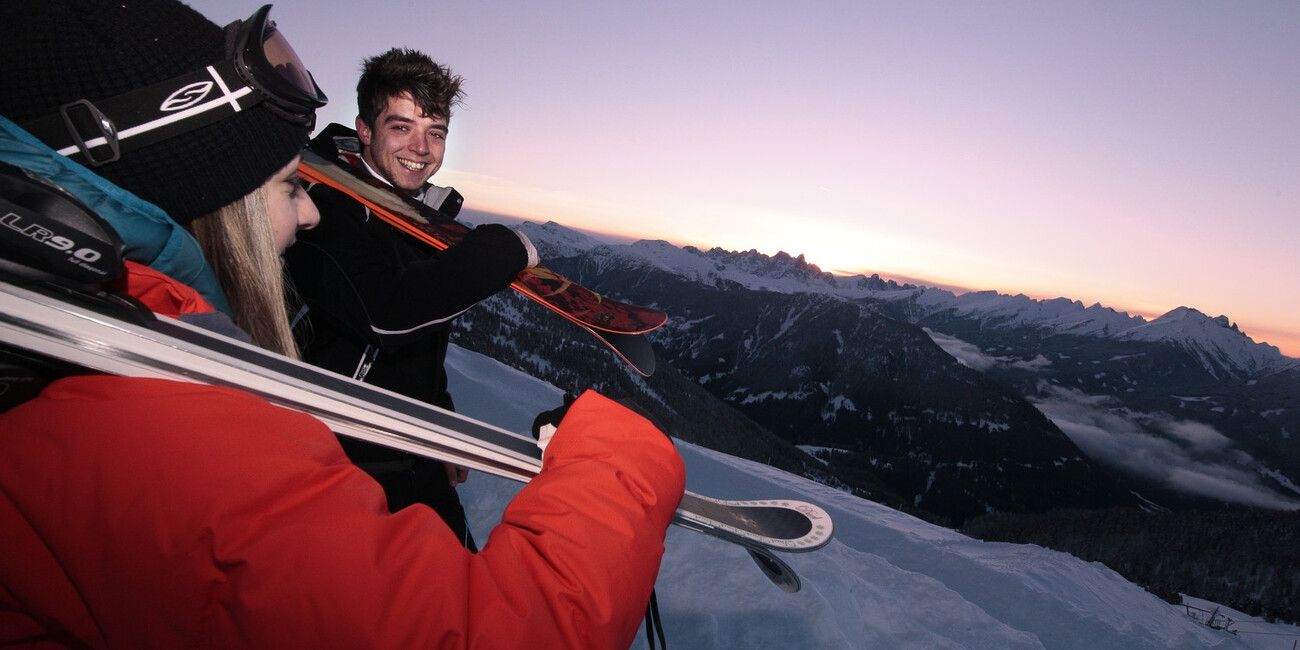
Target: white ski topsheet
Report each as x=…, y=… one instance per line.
x=168, y=351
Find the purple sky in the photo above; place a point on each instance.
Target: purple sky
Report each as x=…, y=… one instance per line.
x=1144, y=155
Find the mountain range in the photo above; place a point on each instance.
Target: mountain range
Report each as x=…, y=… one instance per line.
x=947, y=405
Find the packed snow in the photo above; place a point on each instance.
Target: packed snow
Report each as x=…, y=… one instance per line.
x=887, y=580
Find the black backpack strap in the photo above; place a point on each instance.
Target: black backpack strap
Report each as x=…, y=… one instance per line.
x=654, y=622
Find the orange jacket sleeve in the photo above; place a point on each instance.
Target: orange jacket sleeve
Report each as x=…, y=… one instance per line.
x=146, y=513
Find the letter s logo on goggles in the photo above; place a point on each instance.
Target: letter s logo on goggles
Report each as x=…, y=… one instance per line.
x=262, y=68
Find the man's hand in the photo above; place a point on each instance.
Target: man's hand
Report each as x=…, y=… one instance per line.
x=456, y=475
x=546, y=422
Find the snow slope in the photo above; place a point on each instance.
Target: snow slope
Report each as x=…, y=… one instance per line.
x=887, y=580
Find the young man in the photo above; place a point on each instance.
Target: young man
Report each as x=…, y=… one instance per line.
x=378, y=304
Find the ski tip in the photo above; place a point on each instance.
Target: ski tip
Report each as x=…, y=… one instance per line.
x=776, y=570
x=634, y=349
x=782, y=525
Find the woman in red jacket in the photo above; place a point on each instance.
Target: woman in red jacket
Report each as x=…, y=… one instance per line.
x=140, y=513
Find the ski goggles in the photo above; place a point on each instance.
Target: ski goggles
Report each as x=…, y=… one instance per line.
x=260, y=68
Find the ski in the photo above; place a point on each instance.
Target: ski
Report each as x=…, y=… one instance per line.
x=101, y=332
x=778, y=524
x=776, y=570
x=616, y=324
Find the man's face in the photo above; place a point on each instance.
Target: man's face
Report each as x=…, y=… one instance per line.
x=406, y=146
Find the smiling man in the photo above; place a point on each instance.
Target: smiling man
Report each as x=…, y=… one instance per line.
x=406, y=144
x=377, y=305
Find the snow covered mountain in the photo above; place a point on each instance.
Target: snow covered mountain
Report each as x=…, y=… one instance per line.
x=1185, y=404
x=1215, y=341
x=887, y=580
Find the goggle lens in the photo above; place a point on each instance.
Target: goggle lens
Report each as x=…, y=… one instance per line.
x=281, y=58
x=271, y=66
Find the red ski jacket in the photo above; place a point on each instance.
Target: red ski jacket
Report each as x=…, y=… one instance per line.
x=140, y=513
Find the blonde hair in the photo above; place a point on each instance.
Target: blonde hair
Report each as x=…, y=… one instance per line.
x=240, y=245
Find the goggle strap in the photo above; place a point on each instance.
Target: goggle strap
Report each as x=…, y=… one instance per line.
x=98, y=133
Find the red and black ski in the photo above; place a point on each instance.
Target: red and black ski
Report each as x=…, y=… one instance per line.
x=618, y=325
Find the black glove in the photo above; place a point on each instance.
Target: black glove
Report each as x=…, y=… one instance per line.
x=546, y=422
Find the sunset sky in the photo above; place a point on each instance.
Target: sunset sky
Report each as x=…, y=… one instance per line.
x=1144, y=155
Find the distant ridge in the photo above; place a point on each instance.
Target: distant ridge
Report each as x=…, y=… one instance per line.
x=1215, y=341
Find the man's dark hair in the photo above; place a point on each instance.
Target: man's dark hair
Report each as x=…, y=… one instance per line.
x=432, y=87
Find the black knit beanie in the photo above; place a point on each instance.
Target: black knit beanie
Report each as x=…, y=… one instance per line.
x=57, y=51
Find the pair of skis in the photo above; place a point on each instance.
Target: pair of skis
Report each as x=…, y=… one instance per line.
x=97, y=332
x=618, y=325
